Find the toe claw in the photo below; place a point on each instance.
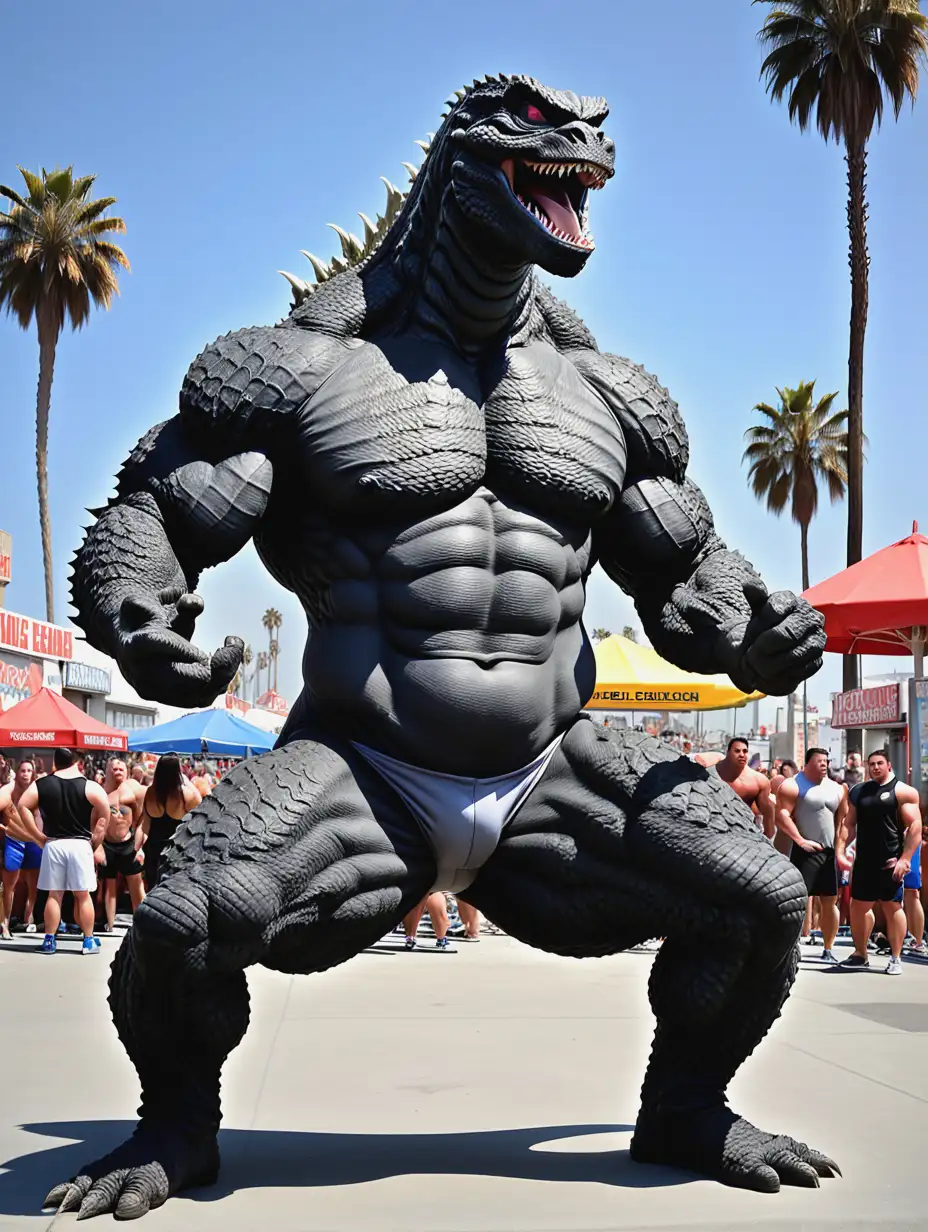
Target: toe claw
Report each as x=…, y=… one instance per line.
x=822, y=1164
x=75, y=1194
x=55, y=1196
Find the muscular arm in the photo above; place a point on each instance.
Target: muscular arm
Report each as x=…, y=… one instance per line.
x=20, y=819
x=845, y=833
x=911, y=817
x=765, y=809
x=190, y=496
x=787, y=799
x=703, y=607
x=100, y=817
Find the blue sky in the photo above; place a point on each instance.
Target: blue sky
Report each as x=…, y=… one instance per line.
x=232, y=133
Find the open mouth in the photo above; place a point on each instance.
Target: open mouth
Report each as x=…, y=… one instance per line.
x=555, y=194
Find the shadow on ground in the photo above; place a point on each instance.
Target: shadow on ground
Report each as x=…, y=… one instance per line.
x=253, y=1158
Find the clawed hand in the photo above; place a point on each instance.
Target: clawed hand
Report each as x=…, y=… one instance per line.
x=157, y=657
x=781, y=645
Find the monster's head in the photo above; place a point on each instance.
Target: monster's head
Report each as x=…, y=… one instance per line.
x=521, y=160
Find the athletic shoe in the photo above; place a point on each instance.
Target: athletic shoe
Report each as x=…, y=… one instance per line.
x=442, y=944
x=62, y=929
x=49, y=945
x=410, y=943
x=6, y=935
x=918, y=948
x=894, y=967
x=30, y=928
x=828, y=956
x=855, y=963
x=91, y=945
x=107, y=928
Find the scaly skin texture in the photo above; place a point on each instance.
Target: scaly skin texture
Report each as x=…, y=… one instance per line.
x=432, y=453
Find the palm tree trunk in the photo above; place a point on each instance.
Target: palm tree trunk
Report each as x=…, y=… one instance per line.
x=859, y=261
x=48, y=340
x=804, y=549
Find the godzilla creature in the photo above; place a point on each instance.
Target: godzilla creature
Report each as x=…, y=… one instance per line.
x=432, y=453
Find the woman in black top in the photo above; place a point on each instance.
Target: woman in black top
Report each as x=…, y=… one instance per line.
x=167, y=802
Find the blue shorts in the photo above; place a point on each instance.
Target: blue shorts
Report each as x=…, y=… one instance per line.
x=913, y=878
x=17, y=855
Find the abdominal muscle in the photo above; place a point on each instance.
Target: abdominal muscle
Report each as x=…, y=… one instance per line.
x=461, y=649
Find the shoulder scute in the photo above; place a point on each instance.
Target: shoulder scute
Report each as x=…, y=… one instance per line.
x=650, y=419
x=255, y=377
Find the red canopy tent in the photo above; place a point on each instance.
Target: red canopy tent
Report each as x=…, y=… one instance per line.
x=48, y=720
x=880, y=605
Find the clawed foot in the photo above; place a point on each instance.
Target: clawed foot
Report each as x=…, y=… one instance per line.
x=140, y=1175
x=722, y=1145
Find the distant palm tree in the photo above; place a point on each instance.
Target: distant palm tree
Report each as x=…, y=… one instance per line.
x=55, y=263
x=262, y=665
x=274, y=653
x=272, y=620
x=630, y=632
x=600, y=635
x=247, y=657
x=838, y=58
x=800, y=446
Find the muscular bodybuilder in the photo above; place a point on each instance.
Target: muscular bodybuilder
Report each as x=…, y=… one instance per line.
x=432, y=453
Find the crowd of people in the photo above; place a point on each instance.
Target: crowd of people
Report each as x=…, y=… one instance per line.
x=855, y=837
x=89, y=832
x=93, y=832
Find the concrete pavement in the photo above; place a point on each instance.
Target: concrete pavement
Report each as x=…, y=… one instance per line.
x=490, y=1089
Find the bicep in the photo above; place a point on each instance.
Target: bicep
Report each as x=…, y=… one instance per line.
x=655, y=534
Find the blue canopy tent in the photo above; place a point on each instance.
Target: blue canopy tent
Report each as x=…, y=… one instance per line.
x=214, y=733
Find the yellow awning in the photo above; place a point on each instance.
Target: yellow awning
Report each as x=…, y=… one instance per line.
x=633, y=677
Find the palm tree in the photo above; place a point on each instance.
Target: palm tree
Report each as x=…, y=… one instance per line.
x=801, y=445
x=274, y=653
x=838, y=58
x=55, y=263
x=630, y=632
x=247, y=657
x=263, y=662
x=600, y=635
x=272, y=620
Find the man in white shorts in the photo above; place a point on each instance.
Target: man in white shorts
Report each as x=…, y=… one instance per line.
x=75, y=812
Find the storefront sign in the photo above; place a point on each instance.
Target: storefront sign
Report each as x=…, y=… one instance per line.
x=6, y=557
x=35, y=637
x=237, y=705
x=867, y=707
x=85, y=678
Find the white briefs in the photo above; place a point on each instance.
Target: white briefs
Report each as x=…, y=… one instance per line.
x=462, y=818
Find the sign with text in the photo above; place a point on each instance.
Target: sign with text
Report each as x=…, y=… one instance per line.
x=35, y=637
x=85, y=678
x=867, y=707
x=6, y=557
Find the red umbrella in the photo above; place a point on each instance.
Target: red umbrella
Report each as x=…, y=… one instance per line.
x=879, y=605
x=47, y=720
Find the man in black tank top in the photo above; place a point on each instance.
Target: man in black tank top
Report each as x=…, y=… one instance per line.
x=884, y=817
x=75, y=812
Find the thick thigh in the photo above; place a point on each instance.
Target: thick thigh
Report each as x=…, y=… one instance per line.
x=623, y=839
x=298, y=859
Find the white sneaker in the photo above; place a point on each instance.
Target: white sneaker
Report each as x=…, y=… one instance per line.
x=894, y=967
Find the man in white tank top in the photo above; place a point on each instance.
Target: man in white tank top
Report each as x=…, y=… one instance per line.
x=810, y=810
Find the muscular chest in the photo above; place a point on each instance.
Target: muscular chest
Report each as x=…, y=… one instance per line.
x=399, y=430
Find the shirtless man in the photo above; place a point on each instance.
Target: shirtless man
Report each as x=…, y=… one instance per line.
x=21, y=858
x=750, y=785
x=810, y=811
x=121, y=852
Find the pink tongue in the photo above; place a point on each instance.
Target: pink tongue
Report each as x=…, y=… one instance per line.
x=556, y=204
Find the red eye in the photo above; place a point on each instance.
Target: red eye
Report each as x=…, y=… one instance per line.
x=532, y=113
